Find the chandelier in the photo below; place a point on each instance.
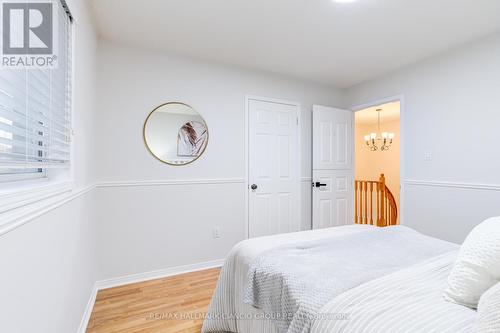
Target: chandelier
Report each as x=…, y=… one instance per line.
x=374, y=140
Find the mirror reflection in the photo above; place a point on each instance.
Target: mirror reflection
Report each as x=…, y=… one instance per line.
x=175, y=133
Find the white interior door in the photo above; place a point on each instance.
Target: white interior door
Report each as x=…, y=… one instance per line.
x=273, y=168
x=333, y=174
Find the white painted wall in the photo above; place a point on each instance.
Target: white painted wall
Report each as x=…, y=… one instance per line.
x=451, y=109
x=154, y=227
x=132, y=82
x=47, y=266
x=48, y=270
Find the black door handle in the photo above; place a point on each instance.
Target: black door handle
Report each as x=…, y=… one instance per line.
x=253, y=187
x=318, y=184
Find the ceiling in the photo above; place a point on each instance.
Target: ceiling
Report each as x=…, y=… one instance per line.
x=339, y=44
x=390, y=112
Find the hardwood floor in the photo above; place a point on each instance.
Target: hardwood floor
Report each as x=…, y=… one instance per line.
x=168, y=305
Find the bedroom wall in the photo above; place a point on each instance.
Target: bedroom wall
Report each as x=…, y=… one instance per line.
x=450, y=130
x=154, y=216
x=47, y=265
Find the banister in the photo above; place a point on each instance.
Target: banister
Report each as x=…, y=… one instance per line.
x=381, y=213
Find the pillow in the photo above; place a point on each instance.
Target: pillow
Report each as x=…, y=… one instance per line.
x=478, y=265
x=488, y=311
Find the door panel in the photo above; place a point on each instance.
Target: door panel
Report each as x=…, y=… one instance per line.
x=332, y=204
x=333, y=151
x=273, y=167
x=342, y=145
x=325, y=213
x=332, y=138
x=284, y=212
x=326, y=139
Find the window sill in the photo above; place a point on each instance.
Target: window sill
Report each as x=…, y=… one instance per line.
x=28, y=193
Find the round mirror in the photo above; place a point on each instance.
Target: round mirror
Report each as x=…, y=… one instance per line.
x=175, y=133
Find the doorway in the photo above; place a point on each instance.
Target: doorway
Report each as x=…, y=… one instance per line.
x=377, y=138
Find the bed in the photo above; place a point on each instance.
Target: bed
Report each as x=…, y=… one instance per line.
x=355, y=278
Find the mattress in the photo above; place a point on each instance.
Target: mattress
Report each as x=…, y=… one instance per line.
x=291, y=283
x=227, y=311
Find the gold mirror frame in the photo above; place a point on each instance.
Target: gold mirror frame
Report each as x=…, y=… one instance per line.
x=146, y=142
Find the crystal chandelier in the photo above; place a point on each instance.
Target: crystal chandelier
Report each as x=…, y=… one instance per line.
x=373, y=140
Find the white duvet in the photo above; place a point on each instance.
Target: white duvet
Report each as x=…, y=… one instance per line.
x=408, y=301
x=228, y=312
x=292, y=282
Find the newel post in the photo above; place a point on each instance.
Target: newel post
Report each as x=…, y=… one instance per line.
x=381, y=204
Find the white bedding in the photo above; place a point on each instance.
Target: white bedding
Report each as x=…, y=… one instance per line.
x=408, y=301
x=293, y=282
x=227, y=312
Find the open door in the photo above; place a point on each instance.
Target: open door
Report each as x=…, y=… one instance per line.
x=332, y=174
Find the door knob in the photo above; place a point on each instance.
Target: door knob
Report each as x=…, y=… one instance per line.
x=318, y=184
x=253, y=187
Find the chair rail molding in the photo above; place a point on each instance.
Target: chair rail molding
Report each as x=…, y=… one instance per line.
x=469, y=186
x=213, y=181
x=13, y=219
x=37, y=206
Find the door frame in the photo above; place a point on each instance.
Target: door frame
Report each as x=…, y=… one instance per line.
x=402, y=149
x=248, y=98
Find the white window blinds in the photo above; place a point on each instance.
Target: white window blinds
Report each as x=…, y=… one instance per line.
x=35, y=109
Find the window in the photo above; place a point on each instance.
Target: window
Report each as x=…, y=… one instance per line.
x=35, y=112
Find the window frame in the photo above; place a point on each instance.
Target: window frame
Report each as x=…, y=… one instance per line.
x=9, y=178
x=25, y=190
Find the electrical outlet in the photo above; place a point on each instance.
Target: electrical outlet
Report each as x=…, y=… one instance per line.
x=428, y=155
x=216, y=232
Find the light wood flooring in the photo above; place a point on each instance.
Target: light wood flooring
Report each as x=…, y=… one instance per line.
x=168, y=305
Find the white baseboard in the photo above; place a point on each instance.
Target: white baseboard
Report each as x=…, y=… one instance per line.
x=140, y=277
x=88, y=311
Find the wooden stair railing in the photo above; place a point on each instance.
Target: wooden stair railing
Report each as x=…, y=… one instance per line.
x=374, y=203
